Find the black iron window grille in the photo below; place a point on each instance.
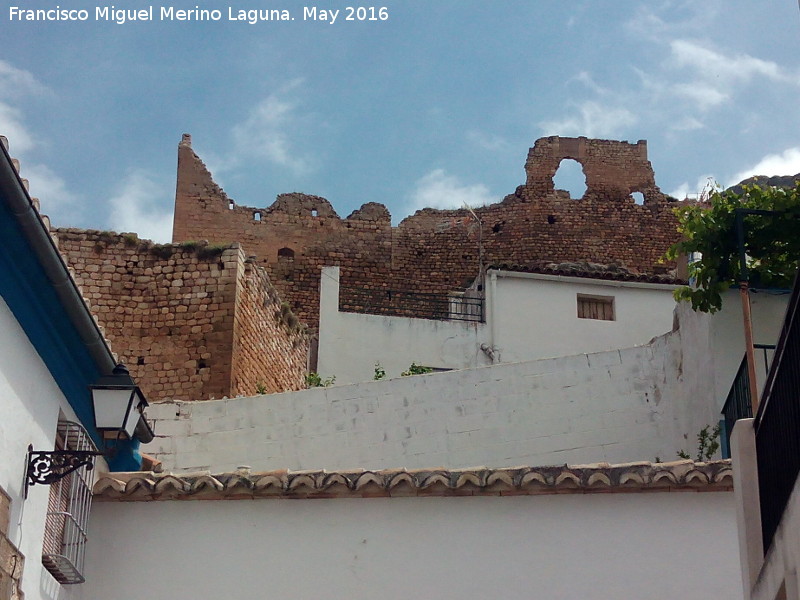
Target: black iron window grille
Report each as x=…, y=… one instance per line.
x=70, y=499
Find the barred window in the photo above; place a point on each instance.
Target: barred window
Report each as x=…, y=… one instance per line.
x=596, y=307
x=68, y=511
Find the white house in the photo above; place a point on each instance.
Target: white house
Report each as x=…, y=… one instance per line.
x=51, y=350
x=526, y=316
x=529, y=316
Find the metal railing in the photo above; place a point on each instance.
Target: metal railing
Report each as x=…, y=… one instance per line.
x=455, y=306
x=777, y=424
x=738, y=404
x=68, y=511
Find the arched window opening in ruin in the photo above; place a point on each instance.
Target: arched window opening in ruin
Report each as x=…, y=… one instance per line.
x=285, y=253
x=571, y=178
x=314, y=212
x=230, y=204
x=257, y=216
x=638, y=198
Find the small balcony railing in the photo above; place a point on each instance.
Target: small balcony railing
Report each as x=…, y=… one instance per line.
x=738, y=404
x=777, y=424
x=455, y=306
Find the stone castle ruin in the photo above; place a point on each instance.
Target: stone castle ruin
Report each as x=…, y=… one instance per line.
x=440, y=251
x=231, y=306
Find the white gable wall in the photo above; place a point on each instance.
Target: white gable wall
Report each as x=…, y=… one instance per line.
x=30, y=402
x=561, y=547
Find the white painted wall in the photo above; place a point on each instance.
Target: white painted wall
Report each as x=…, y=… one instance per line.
x=782, y=562
x=536, y=316
x=561, y=547
x=624, y=405
x=528, y=316
x=30, y=402
x=351, y=343
x=768, y=311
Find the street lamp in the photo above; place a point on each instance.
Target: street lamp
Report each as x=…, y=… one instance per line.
x=118, y=404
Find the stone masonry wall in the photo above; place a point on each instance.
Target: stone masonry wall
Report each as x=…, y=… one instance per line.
x=173, y=314
x=270, y=345
x=436, y=251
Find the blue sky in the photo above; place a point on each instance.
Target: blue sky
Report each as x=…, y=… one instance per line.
x=435, y=106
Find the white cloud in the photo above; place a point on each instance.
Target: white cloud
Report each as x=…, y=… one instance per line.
x=686, y=190
x=593, y=120
x=437, y=189
x=713, y=65
x=141, y=206
x=715, y=77
x=490, y=142
x=56, y=200
x=20, y=139
x=16, y=85
x=687, y=124
x=268, y=130
x=786, y=163
x=16, y=82
x=701, y=94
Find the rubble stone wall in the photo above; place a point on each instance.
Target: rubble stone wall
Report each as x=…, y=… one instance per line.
x=173, y=314
x=270, y=344
x=436, y=251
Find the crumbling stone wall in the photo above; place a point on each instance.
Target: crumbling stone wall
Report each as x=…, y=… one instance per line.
x=266, y=334
x=436, y=251
x=174, y=313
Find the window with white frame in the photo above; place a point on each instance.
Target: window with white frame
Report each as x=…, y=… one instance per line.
x=68, y=511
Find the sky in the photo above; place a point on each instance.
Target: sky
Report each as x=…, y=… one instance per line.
x=435, y=105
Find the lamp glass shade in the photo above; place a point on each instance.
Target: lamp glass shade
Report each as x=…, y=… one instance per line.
x=114, y=409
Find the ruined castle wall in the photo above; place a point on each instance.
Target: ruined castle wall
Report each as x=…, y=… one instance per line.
x=171, y=312
x=436, y=251
x=292, y=239
x=270, y=345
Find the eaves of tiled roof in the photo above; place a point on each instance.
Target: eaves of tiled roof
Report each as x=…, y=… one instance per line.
x=591, y=271
x=676, y=476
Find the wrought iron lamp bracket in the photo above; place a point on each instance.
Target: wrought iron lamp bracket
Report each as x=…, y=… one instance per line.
x=48, y=467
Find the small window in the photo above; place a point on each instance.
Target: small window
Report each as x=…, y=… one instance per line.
x=596, y=307
x=230, y=205
x=314, y=212
x=68, y=511
x=286, y=254
x=257, y=216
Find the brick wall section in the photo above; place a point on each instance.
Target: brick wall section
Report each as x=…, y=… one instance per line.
x=436, y=251
x=171, y=313
x=270, y=345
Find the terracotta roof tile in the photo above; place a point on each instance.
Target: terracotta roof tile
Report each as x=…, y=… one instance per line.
x=683, y=475
x=592, y=271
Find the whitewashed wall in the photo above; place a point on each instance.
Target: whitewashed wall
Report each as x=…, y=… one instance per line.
x=528, y=316
x=30, y=402
x=536, y=316
x=624, y=405
x=562, y=547
x=768, y=311
x=351, y=343
x=782, y=562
